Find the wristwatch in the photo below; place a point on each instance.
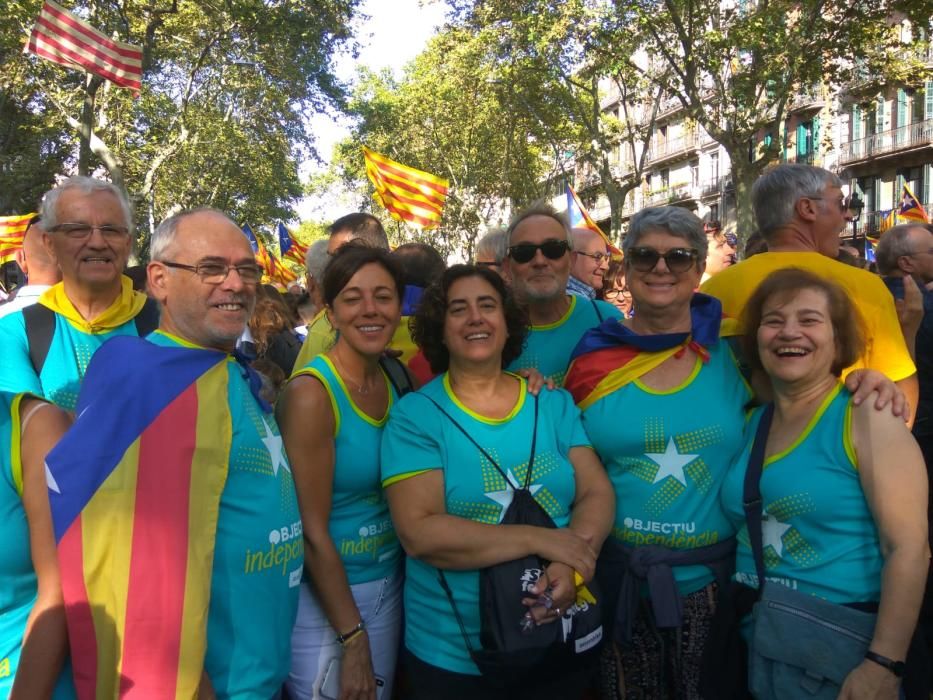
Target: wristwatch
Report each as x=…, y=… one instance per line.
x=895, y=667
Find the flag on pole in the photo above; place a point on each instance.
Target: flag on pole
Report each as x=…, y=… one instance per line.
x=289, y=248
x=911, y=208
x=407, y=194
x=259, y=250
x=888, y=219
x=580, y=218
x=65, y=39
x=12, y=232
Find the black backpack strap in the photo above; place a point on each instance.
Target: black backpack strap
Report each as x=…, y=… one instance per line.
x=470, y=438
x=599, y=314
x=40, y=327
x=147, y=320
x=453, y=605
x=398, y=374
x=751, y=496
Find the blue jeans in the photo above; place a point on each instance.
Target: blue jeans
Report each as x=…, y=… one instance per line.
x=314, y=643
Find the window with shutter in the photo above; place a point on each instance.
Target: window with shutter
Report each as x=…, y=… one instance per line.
x=901, y=108
x=929, y=95
x=856, y=120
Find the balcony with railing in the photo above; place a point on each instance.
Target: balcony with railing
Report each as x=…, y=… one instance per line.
x=673, y=148
x=870, y=222
x=668, y=195
x=904, y=138
x=809, y=98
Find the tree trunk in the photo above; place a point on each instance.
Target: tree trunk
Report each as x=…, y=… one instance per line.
x=744, y=175
x=91, y=85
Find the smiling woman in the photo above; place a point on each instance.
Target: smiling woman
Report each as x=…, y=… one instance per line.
x=332, y=415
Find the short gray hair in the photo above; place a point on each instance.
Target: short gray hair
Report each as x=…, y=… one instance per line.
x=164, y=235
x=494, y=244
x=85, y=185
x=894, y=243
x=316, y=260
x=776, y=192
x=676, y=221
x=538, y=209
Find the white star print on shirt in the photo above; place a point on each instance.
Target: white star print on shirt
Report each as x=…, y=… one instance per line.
x=670, y=463
x=772, y=532
x=504, y=497
x=273, y=444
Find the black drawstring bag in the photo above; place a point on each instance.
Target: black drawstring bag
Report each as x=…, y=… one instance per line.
x=508, y=653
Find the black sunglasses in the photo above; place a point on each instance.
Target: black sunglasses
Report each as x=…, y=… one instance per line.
x=676, y=259
x=552, y=250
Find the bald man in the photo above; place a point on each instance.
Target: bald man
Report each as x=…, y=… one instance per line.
x=590, y=262
x=36, y=263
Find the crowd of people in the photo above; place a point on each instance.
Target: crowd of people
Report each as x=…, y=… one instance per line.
x=547, y=473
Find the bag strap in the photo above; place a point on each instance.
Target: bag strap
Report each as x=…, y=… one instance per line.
x=398, y=375
x=450, y=597
x=599, y=313
x=40, y=327
x=147, y=320
x=751, y=496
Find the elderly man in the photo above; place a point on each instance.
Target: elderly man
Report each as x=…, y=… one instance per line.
x=590, y=263
x=357, y=226
x=538, y=265
x=491, y=249
x=37, y=265
x=800, y=211
x=173, y=502
x=47, y=346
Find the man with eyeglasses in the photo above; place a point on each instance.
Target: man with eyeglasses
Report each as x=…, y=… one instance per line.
x=47, y=346
x=590, y=263
x=537, y=265
x=801, y=210
x=204, y=509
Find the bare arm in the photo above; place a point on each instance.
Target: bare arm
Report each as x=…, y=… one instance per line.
x=893, y=476
x=307, y=422
x=45, y=643
x=594, y=507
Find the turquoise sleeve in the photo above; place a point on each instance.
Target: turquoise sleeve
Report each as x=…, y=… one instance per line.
x=409, y=444
x=16, y=372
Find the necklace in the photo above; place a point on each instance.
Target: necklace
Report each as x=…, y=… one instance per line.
x=361, y=387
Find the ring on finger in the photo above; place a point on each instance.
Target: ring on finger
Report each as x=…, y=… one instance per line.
x=557, y=610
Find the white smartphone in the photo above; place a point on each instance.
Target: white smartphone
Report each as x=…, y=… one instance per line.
x=330, y=685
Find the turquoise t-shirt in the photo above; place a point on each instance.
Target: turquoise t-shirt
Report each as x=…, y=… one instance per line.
x=258, y=553
x=18, y=583
x=419, y=438
x=667, y=453
x=819, y=534
x=360, y=525
x=548, y=348
x=69, y=354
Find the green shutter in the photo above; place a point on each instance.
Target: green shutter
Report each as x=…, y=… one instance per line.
x=857, y=122
x=929, y=96
x=802, y=140
x=879, y=115
x=901, y=108
x=815, y=135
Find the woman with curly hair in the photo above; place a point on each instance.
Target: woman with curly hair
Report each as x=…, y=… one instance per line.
x=271, y=328
x=447, y=499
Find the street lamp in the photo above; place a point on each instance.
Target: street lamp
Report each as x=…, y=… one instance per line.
x=855, y=206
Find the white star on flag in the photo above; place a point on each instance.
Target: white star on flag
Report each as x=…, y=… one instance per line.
x=504, y=498
x=273, y=444
x=50, y=480
x=772, y=532
x=670, y=463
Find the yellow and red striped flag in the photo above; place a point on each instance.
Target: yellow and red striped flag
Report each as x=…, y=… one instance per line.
x=12, y=233
x=65, y=39
x=407, y=193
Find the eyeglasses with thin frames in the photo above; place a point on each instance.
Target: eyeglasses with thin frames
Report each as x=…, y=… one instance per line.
x=598, y=257
x=78, y=231
x=216, y=272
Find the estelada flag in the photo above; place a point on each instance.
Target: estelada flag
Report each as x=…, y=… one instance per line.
x=12, y=232
x=134, y=490
x=406, y=193
x=580, y=218
x=259, y=250
x=611, y=355
x=888, y=220
x=289, y=248
x=66, y=39
x=911, y=208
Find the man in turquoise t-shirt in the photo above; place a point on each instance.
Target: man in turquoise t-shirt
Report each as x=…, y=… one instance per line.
x=538, y=266
x=87, y=227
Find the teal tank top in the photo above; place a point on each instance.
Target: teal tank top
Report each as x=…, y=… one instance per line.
x=548, y=348
x=667, y=453
x=18, y=584
x=360, y=525
x=819, y=535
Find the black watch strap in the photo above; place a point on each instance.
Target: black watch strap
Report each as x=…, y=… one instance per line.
x=895, y=667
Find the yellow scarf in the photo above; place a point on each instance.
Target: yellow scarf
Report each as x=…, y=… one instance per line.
x=124, y=308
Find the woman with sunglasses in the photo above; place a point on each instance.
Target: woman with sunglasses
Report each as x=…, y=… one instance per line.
x=667, y=457
x=332, y=415
x=453, y=454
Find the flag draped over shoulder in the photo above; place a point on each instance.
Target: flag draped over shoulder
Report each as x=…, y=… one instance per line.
x=580, y=218
x=12, y=232
x=289, y=248
x=611, y=355
x=134, y=489
x=911, y=208
x=65, y=39
x=407, y=194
